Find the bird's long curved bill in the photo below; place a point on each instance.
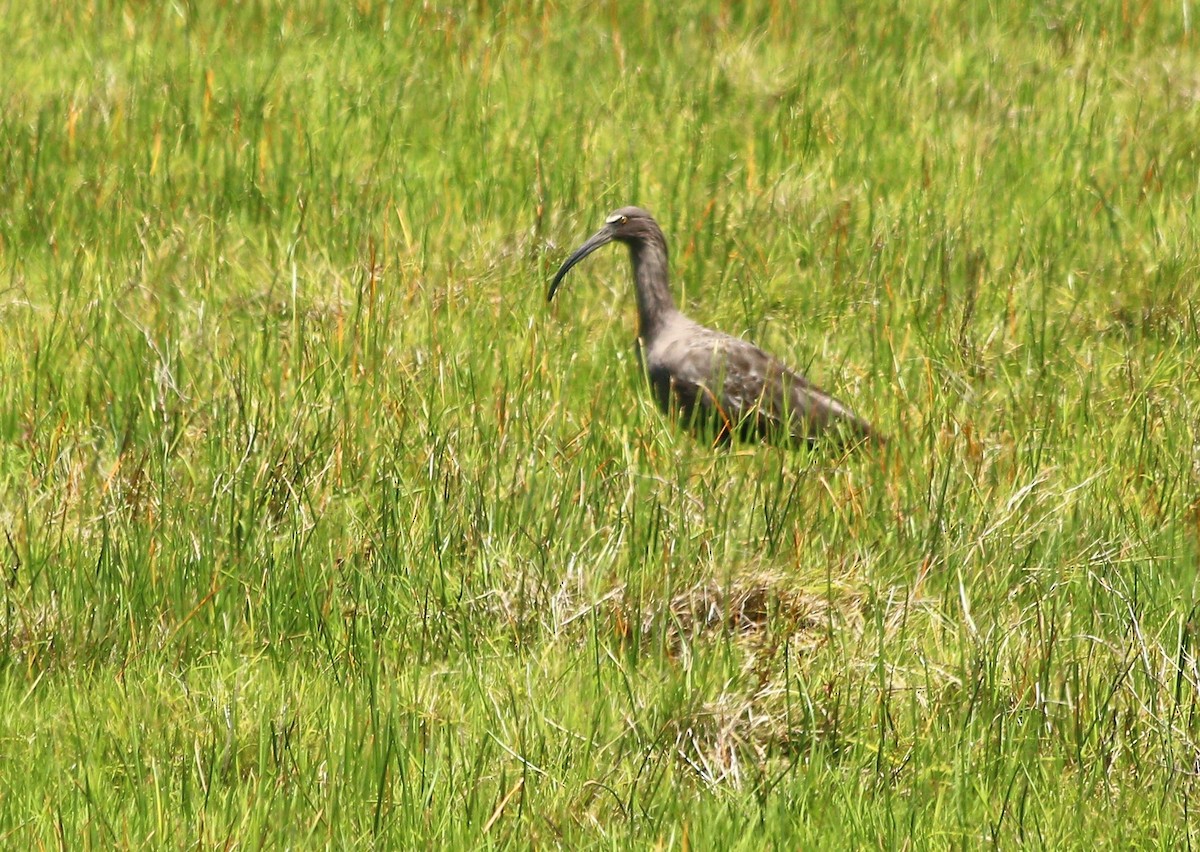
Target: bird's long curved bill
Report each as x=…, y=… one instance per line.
x=598, y=239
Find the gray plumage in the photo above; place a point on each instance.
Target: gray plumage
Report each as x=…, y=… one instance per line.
x=719, y=384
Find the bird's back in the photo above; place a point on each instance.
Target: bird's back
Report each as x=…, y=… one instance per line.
x=726, y=385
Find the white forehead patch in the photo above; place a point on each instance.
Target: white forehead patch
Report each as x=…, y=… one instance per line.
x=613, y=219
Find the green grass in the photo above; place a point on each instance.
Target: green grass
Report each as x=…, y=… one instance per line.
x=321, y=528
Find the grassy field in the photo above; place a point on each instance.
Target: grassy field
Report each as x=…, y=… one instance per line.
x=321, y=528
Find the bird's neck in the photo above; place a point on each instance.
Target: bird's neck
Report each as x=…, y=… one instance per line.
x=654, y=300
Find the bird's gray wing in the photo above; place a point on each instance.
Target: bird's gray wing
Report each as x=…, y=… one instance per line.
x=740, y=388
x=722, y=383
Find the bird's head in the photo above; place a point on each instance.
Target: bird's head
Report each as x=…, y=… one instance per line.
x=629, y=225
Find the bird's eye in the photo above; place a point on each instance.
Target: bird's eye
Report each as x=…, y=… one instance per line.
x=623, y=220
